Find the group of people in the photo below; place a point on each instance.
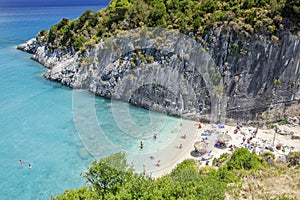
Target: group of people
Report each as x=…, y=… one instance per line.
x=220, y=145
x=142, y=143
x=22, y=161
x=246, y=140
x=180, y=146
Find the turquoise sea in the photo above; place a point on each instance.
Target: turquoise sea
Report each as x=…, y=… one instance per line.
x=41, y=124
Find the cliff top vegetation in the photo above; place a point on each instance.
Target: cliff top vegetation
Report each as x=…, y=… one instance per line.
x=194, y=17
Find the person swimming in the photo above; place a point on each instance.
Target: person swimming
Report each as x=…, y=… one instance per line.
x=158, y=163
x=29, y=166
x=132, y=165
x=21, y=162
x=142, y=145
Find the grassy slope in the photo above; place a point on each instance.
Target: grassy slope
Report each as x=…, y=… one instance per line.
x=267, y=184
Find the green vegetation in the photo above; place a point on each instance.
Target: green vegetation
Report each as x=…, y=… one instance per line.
x=243, y=159
x=188, y=16
x=277, y=82
x=292, y=10
x=111, y=178
x=283, y=122
x=294, y=159
x=224, y=157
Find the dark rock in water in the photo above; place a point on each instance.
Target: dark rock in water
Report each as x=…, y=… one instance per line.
x=179, y=77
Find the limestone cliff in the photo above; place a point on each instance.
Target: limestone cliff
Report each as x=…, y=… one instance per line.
x=225, y=74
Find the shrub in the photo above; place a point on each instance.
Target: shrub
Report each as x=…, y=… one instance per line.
x=243, y=159
x=78, y=43
x=274, y=38
x=283, y=122
x=43, y=33
x=187, y=170
x=150, y=59
x=268, y=155
x=221, y=159
x=293, y=159
x=272, y=28
x=277, y=82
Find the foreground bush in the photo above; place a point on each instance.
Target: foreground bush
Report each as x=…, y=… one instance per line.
x=243, y=159
x=111, y=178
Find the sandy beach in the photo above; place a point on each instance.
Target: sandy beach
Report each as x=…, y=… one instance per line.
x=264, y=140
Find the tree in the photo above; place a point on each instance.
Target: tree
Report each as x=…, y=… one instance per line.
x=81, y=193
x=157, y=15
x=137, y=13
x=108, y=174
x=292, y=10
x=117, y=10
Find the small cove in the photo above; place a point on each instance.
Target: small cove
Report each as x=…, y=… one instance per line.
x=37, y=122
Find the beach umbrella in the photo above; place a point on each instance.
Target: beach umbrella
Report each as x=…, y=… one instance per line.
x=224, y=138
x=201, y=147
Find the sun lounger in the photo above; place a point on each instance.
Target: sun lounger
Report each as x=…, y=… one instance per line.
x=206, y=134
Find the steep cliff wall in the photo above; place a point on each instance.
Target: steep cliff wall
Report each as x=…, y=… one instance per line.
x=259, y=74
x=226, y=74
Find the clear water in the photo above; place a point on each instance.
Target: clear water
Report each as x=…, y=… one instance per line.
x=42, y=124
x=36, y=122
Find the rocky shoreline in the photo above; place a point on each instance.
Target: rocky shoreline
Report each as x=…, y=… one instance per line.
x=230, y=77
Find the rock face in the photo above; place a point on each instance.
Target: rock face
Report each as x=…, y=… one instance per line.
x=225, y=75
x=260, y=74
x=29, y=47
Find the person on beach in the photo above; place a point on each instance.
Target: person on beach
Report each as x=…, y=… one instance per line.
x=209, y=152
x=255, y=132
x=184, y=136
x=248, y=141
x=199, y=126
